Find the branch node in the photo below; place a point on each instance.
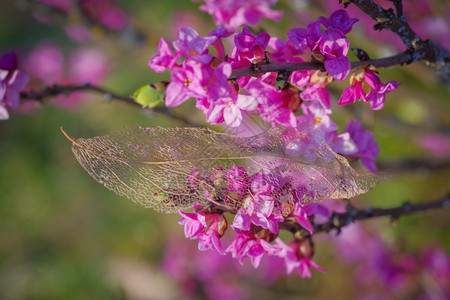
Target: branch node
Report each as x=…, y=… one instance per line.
x=407, y=207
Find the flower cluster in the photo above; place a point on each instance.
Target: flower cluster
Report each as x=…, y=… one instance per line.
x=330, y=46
x=198, y=72
x=12, y=81
x=261, y=202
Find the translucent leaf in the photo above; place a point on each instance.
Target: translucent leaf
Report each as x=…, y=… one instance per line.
x=155, y=166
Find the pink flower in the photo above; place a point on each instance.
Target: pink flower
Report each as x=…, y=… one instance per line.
x=304, y=38
x=46, y=62
x=363, y=80
x=216, y=81
x=334, y=46
x=219, y=33
x=186, y=83
x=164, y=59
x=192, y=46
x=229, y=109
x=284, y=51
x=297, y=256
x=234, y=13
x=377, y=95
x=317, y=92
x=196, y=227
x=303, y=212
x=339, y=20
x=194, y=223
x=249, y=48
x=319, y=117
x=368, y=149
x=245, y=244
x=87, y=65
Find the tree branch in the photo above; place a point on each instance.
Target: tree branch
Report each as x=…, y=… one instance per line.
x=56, y=90
x=339, y=220
x=396, y=22
x=399, y=59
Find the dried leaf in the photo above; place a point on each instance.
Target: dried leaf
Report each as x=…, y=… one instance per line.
x=152, y=166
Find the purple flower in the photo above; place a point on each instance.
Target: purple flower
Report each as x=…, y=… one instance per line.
x=229, y=109
x=219, y=33
x=303, y=38
x=192, y=46
x=377, y=95
x=368, y=149
x=46, y=62
x=284, y=51
x=319, y=117
x=334, y=46
x=210, y=239
x=248, y=47
x=258, y=208
x=317, y=92
x=216, y=81
x=245, y=244
x=164, y=59
x=234, y=13
x=339, y=20
x=237, y=179
x=12, y=81
x=196, y=227
x=186, y=83
x=367, y=80
x=194, y=223
x=297, y=255
x=273, y=106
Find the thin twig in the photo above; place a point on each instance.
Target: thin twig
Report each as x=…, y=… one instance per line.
x=339, y=220
x=57, y=89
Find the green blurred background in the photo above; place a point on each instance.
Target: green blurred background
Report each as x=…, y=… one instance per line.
x=64, y=236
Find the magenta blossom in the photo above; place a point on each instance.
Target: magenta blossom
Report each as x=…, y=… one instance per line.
x=229, y=109
x=245, y=244
x=164, y=59
x=192, y=46
x=297, y=256
x=315, y=115
x=12, y=81
x=186, y=83
x=303, y=212
x=368, y=149
x=196, y=227
x=304, y=38
x=339, y=20
x=365, y=85
x=334, y=46
x=284, y=51
x=234, y=13
x=249, y=48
